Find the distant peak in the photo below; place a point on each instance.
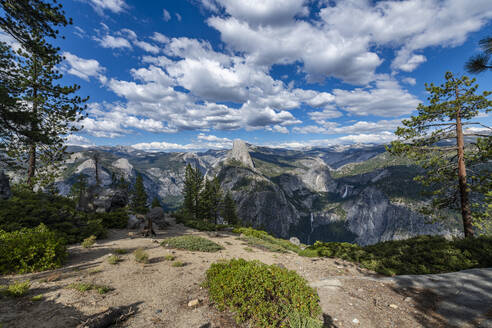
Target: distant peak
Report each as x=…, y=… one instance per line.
x=240, y=152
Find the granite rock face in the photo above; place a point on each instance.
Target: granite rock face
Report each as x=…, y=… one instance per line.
x=240, y=153
x=5, y=192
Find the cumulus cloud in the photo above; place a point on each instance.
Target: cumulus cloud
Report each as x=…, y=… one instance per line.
x=115, y=6
x=109, y=41
x=202, y=142
x=83, y=68
x=276, y=32
x=76, y=140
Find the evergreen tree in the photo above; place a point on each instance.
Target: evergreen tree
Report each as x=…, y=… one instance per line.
x=79, y=187
x=210, y=199
x=229, y=212
x=452, y=171
x=155, y=203
x=139, y=201
x=192, y=187
x=481, y=62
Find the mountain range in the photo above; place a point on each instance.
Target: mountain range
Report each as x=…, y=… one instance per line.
x=346, y=193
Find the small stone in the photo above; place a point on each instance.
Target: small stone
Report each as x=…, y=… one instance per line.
x=158, y=311
x=408, y=299
x=393, y=306
x=355, y=321
x=194, y=302
x=350, y=304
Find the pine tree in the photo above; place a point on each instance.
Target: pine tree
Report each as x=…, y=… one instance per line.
x=79, y=187
x=453, y=171
x=139, y=201
x=192, y=187
x=481, y=62
x=229, y=212
x=155, y=203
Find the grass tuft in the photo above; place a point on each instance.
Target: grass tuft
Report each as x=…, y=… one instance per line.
x=141, y=256
x=114, y=259
x=169, y=258
x=17, y=289
x=89, y=241
x=262, y=240
x=84, y=287
x=178, y=264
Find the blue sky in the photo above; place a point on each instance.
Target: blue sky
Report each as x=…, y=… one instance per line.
x=196, y=74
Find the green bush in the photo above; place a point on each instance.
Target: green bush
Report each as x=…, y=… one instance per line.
x=263, y=240
x=29, y=250
x=204, y=225
x=263, y=295
x=85, y=287
x=178, y=264
x=89, y=241
x=27, y=209
x=191, y=243
x=16, y=289
x=419, y=255
x=113, y=220
x=114, y=259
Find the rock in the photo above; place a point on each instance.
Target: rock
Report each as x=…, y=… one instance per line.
x=356, y=321
x=408, y=299
x=240, y=152
x=118, y=200
x=393, y=306
x=133, y=222
x=295, y=241
x=5, y=191
x=158, y=217
x=194, y=303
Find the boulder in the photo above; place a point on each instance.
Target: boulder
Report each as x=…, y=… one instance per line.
x=118, y=200
x=133, y=222
x=158, y=217
x=5, y=191
x=295, y=241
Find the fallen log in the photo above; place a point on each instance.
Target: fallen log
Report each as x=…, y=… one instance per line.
x=109, y=317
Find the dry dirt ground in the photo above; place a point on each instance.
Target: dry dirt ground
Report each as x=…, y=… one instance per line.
x=350, y=296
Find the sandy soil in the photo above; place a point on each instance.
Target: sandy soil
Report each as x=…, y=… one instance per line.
x=350, y=296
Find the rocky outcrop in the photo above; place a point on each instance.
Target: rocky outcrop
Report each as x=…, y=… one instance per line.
x=5, y=191
x=240, y=153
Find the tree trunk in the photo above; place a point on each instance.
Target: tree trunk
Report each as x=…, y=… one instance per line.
x=32, y=165
x=464, y=192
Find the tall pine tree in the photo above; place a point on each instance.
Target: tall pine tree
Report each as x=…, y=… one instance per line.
x=229, y=212
x=435, y=139
x=192, y=187
x=139, y=201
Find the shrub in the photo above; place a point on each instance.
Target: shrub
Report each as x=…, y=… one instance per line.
x=192, y=243
x=89, y=241
x=114, y=259
x=204, y=225
x=27, y=209
x=16, y=289
x=29, y=250
x=419, y=255
x=263, y=240
x=178, y=264
x=264, y=295
x=141, y=256
x=84, y=287
x=117, y=219
x=121, y=251
x=169, y=258
x=37, y=298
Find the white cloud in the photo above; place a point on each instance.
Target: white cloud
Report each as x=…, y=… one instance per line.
x=360, y=127
x=83, y=68
x=178, y=17
x=159, y=37
x=166, y=16
x=109, y=41
x=410, y=80
x=202, y=142
x=115, y=6
x=76, y=140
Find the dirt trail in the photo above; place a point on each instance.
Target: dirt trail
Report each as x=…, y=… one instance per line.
x=350, y=296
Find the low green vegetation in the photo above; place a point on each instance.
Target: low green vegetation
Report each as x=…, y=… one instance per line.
x=141, y=256
x=37, y=298
x=262, y=240
x=121, y=251
x=85, y=287
x=114, y=259
x=262, y=295
x=419, y=255
x=89, y=241
x=199, y=224
x=27, y=209
x=17, y=289
x=191, y=243
x=117, y=219
x=169, y=258
x=178, y=264
x=29, y=250
x=377, y=162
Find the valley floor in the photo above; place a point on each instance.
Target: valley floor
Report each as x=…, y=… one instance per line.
x=350, y=296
